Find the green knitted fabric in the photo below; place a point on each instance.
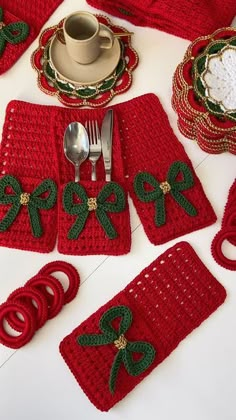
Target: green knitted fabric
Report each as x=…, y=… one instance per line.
x=125, y=348
x=14, y=33
x=101, y=207
x=160, y=189
x=33, y=201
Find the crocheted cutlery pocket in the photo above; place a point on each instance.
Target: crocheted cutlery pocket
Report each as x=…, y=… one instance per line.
x=121, y=343
x=27, y=212
x=93, y=219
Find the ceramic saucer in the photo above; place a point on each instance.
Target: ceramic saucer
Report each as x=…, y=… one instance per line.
x=83, y=74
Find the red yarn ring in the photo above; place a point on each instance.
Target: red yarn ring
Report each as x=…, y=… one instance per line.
x=229, y=220
x=216, y=249
x=26, y=295
x=70, y=271
x=29, y=325
x=55, y=301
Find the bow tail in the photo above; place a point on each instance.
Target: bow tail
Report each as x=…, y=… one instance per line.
x=160, y=216
x=114, y=371
x=2, y=44
x=106, y=223
x=184, y=203
x=78, y=226
x=10, y=217
x=35, y=221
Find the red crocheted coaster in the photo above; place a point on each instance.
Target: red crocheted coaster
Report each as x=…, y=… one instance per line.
x=120, y=344
x=227, y=231
x=32, y=14
x=133, y=143
x=171, y=16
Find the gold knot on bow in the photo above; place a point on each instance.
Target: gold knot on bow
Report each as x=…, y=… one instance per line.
x=24, y=198
x=92, y=203
x=121, y=342
x=2, y=24
x=165, y=187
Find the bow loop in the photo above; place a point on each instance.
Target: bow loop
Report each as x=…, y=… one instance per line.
x=159, y=190
x=125, y=348
x=87, y=204
x=33, y=202
x=14, y=32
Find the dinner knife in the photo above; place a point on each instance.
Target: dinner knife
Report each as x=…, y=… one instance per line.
x=106, y=138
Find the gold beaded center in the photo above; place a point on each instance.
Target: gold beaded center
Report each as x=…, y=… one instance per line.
x=92, y=203
x=165, y=187
x=25, y=198
x=2, y=24
x=121, y=342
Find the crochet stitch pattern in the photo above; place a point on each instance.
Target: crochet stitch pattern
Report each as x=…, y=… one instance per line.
x=132, y=142
x=168, y=300
x=33, y=202
x=22, y=23
x=100, y=205
x=125, y=348
x=14, y=33
x=171, y=16
x=159, y=190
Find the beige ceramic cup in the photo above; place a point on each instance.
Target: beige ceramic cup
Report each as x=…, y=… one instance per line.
x=84, y=37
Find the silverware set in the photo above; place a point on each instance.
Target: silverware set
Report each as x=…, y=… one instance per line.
x=82, y=142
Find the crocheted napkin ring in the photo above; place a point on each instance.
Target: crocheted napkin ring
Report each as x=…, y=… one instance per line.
x=227, y=231
x=48, y=305
x=158, y=190
x=14, y=33
x=100, y=204
x=121, y=343
x=11, y=193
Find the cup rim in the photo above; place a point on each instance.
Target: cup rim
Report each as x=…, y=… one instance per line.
x=91, y=15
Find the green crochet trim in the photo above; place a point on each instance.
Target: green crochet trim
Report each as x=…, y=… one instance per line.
x=33, y=202
x=14, y=33
x=125, y=348
x=99, y=205
x=159, y=190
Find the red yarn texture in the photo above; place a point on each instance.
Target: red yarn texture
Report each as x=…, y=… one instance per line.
x=187, y=18
x=227, y=231
x=35, y=13
x=32, y=146
x=168, y=299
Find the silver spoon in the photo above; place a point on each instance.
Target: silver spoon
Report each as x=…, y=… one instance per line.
x=76, y=145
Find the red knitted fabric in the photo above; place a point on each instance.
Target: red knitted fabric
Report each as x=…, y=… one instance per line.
x=34, y=134
x=227, y=231
x=34, y=13
x=168, y=299
x=187, y=19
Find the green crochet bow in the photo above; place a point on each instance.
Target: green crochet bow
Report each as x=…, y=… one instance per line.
x=14, y=33
x=125, y=348
x=33, y=202
x=159, y=190
x=98, y=204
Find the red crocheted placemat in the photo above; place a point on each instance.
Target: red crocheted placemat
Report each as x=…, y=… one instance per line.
x=34, y=134
x=34, y=14
x=187, y=18
x=168, y=299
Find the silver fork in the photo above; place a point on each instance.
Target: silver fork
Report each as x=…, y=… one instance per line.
x=95, y=147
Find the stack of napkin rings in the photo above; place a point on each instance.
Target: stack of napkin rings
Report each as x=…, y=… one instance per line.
x=121, y=343
x=36, y=291
x=203, y=75
x=227, y=231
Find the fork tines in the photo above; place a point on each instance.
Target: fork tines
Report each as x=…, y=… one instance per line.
x=95, y=147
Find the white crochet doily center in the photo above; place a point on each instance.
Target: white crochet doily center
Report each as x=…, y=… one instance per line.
x=220, y=79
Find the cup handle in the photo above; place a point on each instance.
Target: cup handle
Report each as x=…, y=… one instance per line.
x=60, y=35
x=107, y=39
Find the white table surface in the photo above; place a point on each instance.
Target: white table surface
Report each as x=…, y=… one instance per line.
x=198, y=380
